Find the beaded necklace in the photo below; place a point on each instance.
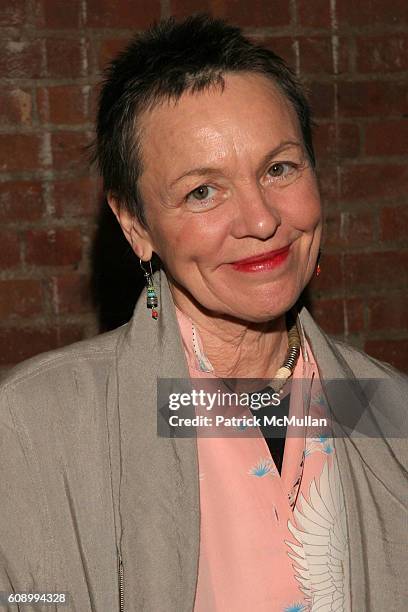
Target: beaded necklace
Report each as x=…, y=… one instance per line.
x=286, y=369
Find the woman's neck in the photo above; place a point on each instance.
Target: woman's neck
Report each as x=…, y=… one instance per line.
x=236, y=348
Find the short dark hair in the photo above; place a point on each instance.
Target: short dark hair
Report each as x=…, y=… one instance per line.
x=162, y=63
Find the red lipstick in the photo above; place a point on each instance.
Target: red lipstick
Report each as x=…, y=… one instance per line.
x=265, y=261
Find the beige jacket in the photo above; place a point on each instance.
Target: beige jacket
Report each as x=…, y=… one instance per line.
x=93, y=502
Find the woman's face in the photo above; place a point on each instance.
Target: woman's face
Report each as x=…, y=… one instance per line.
x=226, y=178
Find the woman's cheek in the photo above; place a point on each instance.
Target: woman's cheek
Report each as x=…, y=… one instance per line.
x=307, y=214
x=201, y=238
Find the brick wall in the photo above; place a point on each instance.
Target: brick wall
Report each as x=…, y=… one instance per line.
x=56, y=267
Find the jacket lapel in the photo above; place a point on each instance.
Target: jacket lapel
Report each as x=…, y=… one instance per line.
x=159, y=486
x=373, y=481
x=331, y=368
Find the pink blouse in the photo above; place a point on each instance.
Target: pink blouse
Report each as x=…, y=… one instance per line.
x=268, y=541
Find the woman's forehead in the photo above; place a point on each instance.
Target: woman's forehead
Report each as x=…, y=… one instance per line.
x=250, y=111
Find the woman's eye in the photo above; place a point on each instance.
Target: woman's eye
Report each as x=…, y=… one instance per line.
x=201, y=193
x=281, y=169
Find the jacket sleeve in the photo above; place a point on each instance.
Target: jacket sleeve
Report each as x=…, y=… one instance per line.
x=22, y=525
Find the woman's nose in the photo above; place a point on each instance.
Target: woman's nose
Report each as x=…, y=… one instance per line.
x=255, y=214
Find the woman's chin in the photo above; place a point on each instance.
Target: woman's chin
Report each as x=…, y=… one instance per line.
x=263, y=306
x=258, y=312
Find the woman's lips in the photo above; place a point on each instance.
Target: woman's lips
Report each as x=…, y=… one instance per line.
x=266, y=261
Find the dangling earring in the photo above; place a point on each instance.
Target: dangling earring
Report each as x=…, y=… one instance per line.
x=151, y=295
x=318, y=268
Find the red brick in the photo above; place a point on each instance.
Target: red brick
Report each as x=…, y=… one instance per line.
x=372, y=12
x=67, y=57
x=332, y=229
x=20, y=152
x=281, y=45
x=343, y=142
x=374, y=181
x=22, y=297
x=21, y=343
x=67, y=104
x=9, y=249
x=327, y=180
x=372, y=98
x=330, y=315
x=348, y=229
x=93, y=100
x=394, y=223
x=258, y=13
x=355, y=315
x=75, y=197
x=58, y=14
x=394, y=352
x=382, y=53
x=71, y=293
x=21, y=59
x=389, y=312
x=69, y=150
x=330, y=278
x=122, y=13
x=109, y=48
x=20, y=201
x=376, y=269
x=359, y=228
x=315, y=55
x=12, y=13
x=316, y=14
x=344, y=54
x=54, y=247
x=387, y=138
x=321, y=98
x=338, y=316
x=15, y=107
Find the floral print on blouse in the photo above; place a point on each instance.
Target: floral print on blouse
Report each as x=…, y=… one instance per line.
x=270, y=542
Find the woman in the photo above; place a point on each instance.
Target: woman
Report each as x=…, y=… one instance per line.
x=204, y=144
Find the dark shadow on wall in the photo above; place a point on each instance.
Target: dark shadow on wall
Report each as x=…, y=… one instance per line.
x=305, y=299
x=117, y=279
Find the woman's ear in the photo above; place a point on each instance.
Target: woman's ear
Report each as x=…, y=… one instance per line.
x=135, y=233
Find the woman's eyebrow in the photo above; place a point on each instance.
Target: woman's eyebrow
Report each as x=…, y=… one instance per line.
x=286, y=144
x=208, y=170
x=201, y=171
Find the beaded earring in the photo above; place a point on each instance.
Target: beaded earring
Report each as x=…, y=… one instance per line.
x=318, y=267
x=151, y=295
